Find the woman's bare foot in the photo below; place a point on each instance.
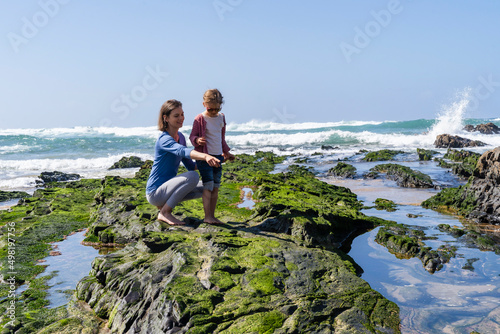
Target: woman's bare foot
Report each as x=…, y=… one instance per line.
x=212, y=220
x=169, y=219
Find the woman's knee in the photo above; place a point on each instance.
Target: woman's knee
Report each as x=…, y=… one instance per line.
x=192, y=178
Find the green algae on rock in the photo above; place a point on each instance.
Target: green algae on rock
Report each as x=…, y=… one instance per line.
x=425, y=155
x=404, y=176
x=232, y=279
x=275, y=268
x=8, y=195
x=128, y=162
x=343, y=169
x=381, y=155
x=45, y=217
x=463, y=162
x=456, y=200
x=385, y=204
x=405, y=242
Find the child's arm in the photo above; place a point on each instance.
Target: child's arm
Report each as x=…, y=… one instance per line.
x=195, y=132
x=225, y=147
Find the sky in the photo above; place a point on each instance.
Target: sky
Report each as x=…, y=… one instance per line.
x=69, y=63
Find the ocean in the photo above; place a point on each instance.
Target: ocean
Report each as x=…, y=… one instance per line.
x=89, y=151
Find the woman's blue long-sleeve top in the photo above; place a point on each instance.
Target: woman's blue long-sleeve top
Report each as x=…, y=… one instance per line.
x=168, y=155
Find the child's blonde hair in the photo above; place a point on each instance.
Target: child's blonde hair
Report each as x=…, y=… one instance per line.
x=213, y=96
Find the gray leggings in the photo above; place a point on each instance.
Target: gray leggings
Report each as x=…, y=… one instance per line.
x=183, y=187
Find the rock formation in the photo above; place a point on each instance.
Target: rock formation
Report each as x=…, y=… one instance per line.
x=449, y=141
x=488, y=128
x=274, y=269
x=128, y=162
x=486, y=188
x=479, y=199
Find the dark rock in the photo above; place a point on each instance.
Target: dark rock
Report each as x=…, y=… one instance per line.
x=469, y=128
x=56, y=176
x=371, y=175
x=329, y=147
x=486, y=187
x=128, y=162
x=479, y=199
x=449, y=141
x=487, y=129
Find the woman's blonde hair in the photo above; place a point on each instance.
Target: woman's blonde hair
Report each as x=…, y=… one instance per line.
x=213, y=96
x=166, y=110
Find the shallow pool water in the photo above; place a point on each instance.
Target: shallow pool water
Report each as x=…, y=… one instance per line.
x=461, y=297
x=71, y=266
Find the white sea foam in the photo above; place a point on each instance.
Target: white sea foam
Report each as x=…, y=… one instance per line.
x=451, y=118
x=14, y=148
x=65, y=165
x=280, y=139
x=151, y=131
x=256, y=125
x=82, y=131
x=18, y=183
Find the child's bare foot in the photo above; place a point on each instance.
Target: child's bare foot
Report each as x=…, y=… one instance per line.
x=212, y=220
x=169, y=219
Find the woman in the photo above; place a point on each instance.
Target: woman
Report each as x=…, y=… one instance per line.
x=165, y=189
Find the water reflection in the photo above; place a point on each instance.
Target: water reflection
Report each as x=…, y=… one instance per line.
x=247, y=201
x=452, y=300
x=71, y=266
x=462, y=297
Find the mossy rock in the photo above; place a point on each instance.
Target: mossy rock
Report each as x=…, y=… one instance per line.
x=128, y=162
x=381, y=155
x=343, y=169
x=259, y=284
x=385, y=204
x=406, y=243
x=425, y=155
x=8, y=195
x=404, y=176
x=458, y=200
x=279, y=261
x=463, y=162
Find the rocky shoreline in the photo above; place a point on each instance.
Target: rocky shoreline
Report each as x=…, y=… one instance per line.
x=276, y=268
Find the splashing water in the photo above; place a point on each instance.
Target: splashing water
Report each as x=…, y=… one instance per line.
x=451, y=118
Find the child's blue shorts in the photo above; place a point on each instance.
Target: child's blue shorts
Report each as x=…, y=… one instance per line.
x=210, y=176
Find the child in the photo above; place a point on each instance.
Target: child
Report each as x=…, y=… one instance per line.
x=208, y=136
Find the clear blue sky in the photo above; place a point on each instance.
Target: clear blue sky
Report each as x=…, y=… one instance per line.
x=68, y=63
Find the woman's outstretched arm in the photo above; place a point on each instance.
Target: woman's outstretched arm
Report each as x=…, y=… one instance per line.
x=212, y=161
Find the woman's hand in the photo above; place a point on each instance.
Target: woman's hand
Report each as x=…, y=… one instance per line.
x=212, y=161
